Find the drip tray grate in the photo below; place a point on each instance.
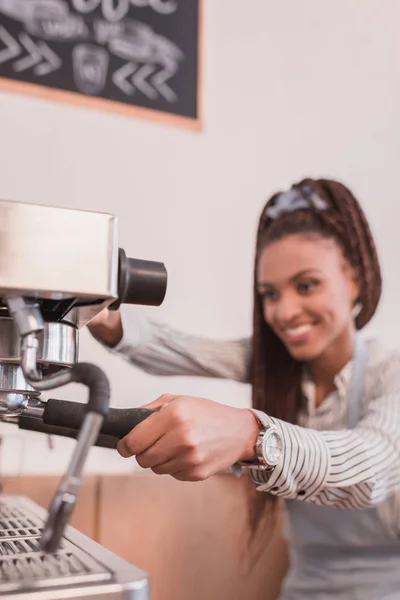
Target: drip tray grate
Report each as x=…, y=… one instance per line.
x=23, y=564
x=15, y=523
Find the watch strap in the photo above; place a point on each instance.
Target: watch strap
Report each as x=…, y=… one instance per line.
x=264, y=423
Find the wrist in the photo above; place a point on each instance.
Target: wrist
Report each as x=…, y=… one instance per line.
x=252, y=428
x=267, y=449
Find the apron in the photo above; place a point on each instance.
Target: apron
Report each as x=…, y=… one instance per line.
x=341, y=554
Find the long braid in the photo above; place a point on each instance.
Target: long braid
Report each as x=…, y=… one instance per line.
x=276, y=376
x=354, y=234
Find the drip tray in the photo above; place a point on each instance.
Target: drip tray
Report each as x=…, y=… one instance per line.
x=79, y=564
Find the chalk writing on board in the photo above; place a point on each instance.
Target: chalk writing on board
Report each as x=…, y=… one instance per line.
x=131, y=40
x=114, y=11
x=111, y=49
x=31, y=55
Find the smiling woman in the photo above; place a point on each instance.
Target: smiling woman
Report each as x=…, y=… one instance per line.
x=316, y=268
x=324, y=430
x=307, y=288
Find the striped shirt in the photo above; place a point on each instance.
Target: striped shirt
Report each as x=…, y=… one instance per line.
x=323, y=462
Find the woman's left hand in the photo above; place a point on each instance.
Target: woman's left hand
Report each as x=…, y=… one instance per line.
x=191, y=438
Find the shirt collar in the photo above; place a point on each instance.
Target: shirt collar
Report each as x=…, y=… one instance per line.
x=341, y=382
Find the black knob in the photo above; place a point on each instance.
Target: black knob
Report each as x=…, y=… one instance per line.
x=140, y=282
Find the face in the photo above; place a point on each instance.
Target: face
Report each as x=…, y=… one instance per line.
x=308, y=290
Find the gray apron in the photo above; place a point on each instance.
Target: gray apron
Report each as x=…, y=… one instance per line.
x=342, y=554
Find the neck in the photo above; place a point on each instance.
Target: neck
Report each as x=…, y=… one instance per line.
x=324, y=369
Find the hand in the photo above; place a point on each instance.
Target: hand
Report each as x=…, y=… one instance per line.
x=106, y=327
x=191, y=438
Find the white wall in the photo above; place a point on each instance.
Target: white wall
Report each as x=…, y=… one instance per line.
x=291, y=89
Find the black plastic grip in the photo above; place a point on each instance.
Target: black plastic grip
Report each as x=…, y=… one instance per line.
x=98, y=384
x=34, y=424
x=117, y=423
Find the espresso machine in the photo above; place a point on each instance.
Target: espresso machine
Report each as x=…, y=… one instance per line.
x=58, y=269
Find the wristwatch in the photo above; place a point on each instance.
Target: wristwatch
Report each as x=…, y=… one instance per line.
x=269, y=447
x=269, y=444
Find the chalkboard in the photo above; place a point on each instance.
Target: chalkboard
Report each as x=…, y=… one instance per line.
x=140, y=57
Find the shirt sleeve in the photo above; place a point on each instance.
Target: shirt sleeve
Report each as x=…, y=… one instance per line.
x=348, y=469
x=159, y=349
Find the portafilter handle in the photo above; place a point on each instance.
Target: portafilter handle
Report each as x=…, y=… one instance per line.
x=65, y=418
x=117, y=423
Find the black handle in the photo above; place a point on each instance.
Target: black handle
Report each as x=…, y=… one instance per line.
x=117, y=423
x=140, y=282
x=34, y=424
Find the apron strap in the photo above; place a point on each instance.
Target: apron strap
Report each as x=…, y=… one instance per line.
x=355, y=394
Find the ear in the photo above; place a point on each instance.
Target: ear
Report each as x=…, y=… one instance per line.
x=354, y=283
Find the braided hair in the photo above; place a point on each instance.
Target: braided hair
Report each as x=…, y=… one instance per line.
x=275, y=375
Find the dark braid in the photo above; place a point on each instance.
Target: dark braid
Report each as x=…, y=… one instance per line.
x=348, y=221
x=276, y=376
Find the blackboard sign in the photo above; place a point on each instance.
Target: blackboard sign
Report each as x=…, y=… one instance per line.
x=131, y=56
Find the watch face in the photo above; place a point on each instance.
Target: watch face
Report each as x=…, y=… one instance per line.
x=272, y=447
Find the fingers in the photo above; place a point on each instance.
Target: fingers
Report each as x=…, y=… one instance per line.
x=181, y=473
x=176, y=453
x=148, y=432
x=161, y=401
x=142, y=437
x=167, y=458
x=188, y=438
x=175, y=446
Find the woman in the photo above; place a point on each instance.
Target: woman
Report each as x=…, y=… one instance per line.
x=325, y=433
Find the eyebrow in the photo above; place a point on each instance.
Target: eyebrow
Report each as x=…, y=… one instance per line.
x=264, y=284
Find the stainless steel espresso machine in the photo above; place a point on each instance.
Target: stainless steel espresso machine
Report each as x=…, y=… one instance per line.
x=58, y=269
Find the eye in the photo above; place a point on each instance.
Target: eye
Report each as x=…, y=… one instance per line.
x=268, y=295
x=305, y=287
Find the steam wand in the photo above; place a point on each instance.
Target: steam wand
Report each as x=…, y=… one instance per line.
x=29, y=322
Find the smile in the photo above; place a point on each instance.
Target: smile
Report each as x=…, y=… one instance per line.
x=298, y=333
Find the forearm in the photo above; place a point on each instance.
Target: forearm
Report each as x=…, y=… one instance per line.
x=349, y=469
x=160, y=350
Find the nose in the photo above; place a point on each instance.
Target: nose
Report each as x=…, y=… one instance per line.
x=284, y=311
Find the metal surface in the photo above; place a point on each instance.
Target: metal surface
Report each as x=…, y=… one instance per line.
x=57, y=347
x=57, y=344
x=56, y=253
x=30, y=370
x=29, y=322
x=14, y=390
x=59, y=268
x=80, y=569
x=67, y=491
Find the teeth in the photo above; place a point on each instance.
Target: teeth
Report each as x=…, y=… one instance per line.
x=295, y=331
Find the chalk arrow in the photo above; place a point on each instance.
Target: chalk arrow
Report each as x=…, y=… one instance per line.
x=130, y=78
x=159, y=79
x=40, y=56
x=120, y=76
x=12, y=48
x=139, y=82
x=53, y=61
x=32, y=59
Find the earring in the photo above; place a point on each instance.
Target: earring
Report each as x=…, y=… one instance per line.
x=356, y=310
